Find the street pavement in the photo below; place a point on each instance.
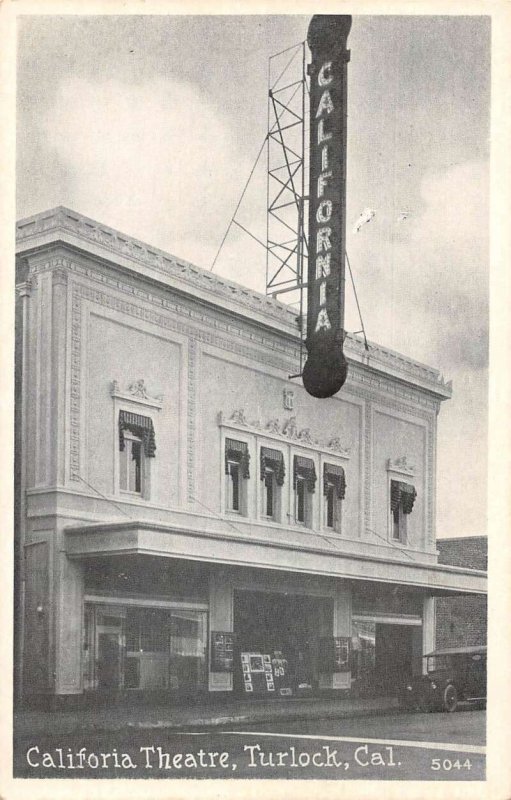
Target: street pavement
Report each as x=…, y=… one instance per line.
x=393, y=747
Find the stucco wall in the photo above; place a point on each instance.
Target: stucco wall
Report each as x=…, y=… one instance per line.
x=117, y=350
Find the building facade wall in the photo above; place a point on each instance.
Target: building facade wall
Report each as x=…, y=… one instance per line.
x=203, y=361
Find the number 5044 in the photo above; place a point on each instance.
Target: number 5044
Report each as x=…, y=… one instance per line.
x=446, y=764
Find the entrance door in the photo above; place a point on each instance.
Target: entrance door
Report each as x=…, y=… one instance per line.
x=290, y=625
x=109, y=652
x=109, y=661
x=393, y=658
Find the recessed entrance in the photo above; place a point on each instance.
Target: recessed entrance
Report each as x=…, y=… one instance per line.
x=290, y=626
x=382, y=656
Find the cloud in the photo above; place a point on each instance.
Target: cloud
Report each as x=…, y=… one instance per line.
x=423, y=284
x=155, y=159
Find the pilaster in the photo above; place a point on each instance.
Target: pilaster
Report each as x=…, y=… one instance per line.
x=220, y=619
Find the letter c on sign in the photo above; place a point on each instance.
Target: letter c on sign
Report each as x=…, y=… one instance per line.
x=325, y=74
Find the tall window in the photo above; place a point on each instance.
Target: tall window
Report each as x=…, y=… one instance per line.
x=131, y=464
x=334, y=489
x=136, y=446
x=402, y=498
x=237, y=472
x=272, y=479
x=233, y=486
x=269, y=493
x=304, y=482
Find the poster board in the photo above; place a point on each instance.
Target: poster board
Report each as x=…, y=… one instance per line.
x=334, y=654
x=222, y=651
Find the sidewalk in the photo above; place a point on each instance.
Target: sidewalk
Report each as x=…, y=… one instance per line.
x=230, y=712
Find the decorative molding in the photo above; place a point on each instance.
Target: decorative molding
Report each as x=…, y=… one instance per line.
x=24, y=289
x=431, y=484
x=115, y=242
x=75, y=386
x=59, y=277
x=286, y=431
x=288, y=352
x=288, y=399
x=419, y=406
x=127, y=246
x=358, y=377
x=136, y=393
x=401, y=466
x=397, y=361
x=368, y=466
x=191, y=445
x=389, y=388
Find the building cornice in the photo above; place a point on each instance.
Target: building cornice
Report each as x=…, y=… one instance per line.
x=63, y=226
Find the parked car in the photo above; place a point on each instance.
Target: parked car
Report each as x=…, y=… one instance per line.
x=451, y=675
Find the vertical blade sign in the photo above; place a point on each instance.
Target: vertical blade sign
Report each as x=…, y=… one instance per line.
x=325, y=369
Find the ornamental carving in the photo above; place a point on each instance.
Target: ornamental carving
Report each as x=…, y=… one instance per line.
x=239, y=417
x=288, y=429
x=289, y=399
x=273, y=426
x=138, y=389
x=336, y=444
x=400, y=465
x=137, y=392
x=305, y=436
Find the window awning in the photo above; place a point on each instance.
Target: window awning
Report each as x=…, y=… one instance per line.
x=404, y=494
x=237, y=451
x=304, y=468
x=273, y=459
x=334, y=474
x=139, y=426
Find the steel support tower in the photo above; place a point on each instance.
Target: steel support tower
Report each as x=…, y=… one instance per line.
x=287, y=176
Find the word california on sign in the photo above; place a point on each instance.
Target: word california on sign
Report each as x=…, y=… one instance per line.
x=325, y=370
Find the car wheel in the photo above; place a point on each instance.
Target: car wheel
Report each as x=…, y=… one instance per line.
x=450, y=698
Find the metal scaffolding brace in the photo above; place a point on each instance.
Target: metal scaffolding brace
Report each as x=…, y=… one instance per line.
x=286, y=226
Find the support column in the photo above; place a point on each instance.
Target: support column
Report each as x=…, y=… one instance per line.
x=68, y=627
x=428, y=626
x=341, y=627
x=221, y=618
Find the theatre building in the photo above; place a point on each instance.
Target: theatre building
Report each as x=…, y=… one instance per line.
x=189, y=520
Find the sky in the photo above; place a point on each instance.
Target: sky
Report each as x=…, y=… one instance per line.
x=152, y=124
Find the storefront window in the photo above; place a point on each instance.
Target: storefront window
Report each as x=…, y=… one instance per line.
x=145, y=648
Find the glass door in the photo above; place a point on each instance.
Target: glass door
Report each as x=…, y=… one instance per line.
x=109, y=651
x=188, y=648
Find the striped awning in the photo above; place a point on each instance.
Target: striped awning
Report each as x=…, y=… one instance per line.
x=237, y=451
x=403, y=494
x=274, y=460
x=334, y=474
x=139, y=426
x=304, y=468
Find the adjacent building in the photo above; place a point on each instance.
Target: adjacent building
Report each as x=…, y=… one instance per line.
x=189, y=520
x=462, y=621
